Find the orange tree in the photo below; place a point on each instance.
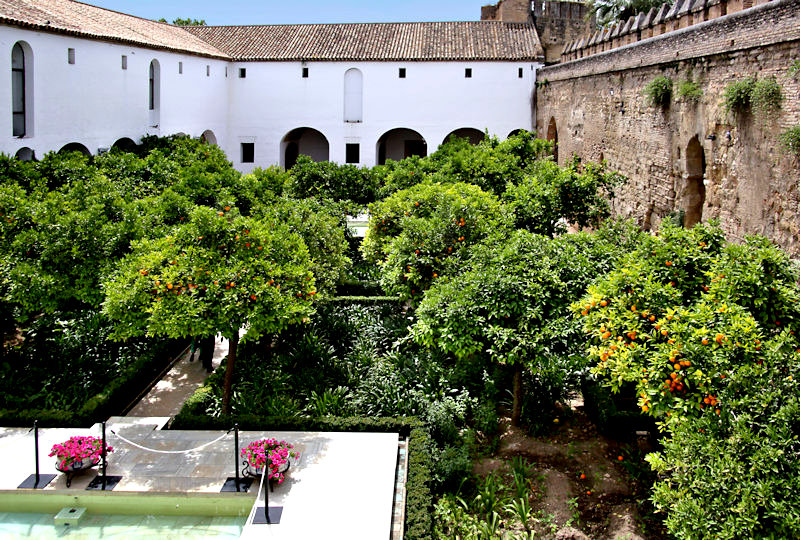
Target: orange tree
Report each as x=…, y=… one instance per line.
x=683, y=312
x=707, y=332
x=218, y=272
x=512, y=305
x=420, y=234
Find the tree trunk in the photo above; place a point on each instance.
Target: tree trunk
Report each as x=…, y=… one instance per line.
x=516, y=408
x=229, y=366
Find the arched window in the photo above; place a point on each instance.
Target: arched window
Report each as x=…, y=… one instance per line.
x=154, y=92
x=20, y=91
x=154, y=84
x=353, y=96
x=694, y=193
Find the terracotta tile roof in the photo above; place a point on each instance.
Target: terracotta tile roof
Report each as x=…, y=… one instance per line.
x=75, y=18
x=475, y=40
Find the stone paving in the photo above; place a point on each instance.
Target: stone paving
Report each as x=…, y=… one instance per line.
x=168, y=395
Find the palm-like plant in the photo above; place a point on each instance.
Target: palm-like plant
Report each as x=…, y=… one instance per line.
x=607, y=12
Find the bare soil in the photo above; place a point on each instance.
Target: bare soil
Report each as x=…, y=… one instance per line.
x=582, y=487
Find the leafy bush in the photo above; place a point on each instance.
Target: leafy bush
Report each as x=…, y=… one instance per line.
x=659, y=91
x=790, y=140
x=331, y=181
x=689, y=91
x=766, y=96
x=738, y=95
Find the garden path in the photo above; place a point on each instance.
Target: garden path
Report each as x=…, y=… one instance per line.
x=166, y=398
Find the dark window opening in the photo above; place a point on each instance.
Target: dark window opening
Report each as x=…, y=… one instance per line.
x=305, y=73
x=242, y=73
x=402, y=73
x=18, y=90
x=152, y=92
x=70, y=55
x=468, y=73
x=248, y=152
x=124, y=62
x=208, y=70
x=415, y=148
x=180, y=68
x=519, y=73
x=352, y=153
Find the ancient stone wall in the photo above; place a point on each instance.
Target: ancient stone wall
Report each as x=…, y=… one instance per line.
x=559, y=23
x=691, y=156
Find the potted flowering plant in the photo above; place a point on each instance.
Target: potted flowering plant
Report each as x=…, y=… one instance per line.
x=78, y=453
x=280, y=454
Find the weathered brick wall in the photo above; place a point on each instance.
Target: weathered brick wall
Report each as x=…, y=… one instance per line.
x=751, y=184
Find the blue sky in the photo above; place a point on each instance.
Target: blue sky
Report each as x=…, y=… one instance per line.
x=219, y=12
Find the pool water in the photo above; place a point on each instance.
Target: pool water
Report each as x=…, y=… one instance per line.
x=24, y=525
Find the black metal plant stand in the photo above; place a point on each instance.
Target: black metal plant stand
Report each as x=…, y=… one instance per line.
x=103, y=482
x=267, y=515
x=36, y=480
x=236, y=483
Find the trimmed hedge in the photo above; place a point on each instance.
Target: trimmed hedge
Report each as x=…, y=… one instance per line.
x=365, y=300
x=419, y=499
x=118, y=393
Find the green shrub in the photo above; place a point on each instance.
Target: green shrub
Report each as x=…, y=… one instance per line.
x=689, y=91
x=790, y=140
x=794, y=68
x=659, y=91
x=738, y=95
x=453, y=466
x=766, y=96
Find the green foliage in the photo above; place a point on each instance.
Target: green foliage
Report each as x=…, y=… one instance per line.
x=490, y=164
x=659, y=91
x=689, y=91
x=331, y=181
x=794, y=68
x=766, y=96
x=736, y=475
x=549, y=196
x=738, y=95
x=608, y=12
x=188, y=22
x=790, y=140
x=427, y=231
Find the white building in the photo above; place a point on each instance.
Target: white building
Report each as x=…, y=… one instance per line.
x=84, y=77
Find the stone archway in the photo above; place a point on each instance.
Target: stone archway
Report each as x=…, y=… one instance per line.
x=208, y=137
x=75, y=147
x=694, y=191
x=125, y=144
x=552, y=135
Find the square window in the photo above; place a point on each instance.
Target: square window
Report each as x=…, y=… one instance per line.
x=468, y=73
x=402, y=73
x=71, y=55
x=305, y=73
x=242, y=73
x=519, y=73
x=352, y=153
x=180, y=68
x=248, y=152
x=208, y=70
x=124, y=62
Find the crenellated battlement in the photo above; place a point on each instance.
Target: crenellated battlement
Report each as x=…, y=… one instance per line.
x=657, y=21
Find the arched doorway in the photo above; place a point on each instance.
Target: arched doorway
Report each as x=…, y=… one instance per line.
x=75, y=147
x=515, y=132
x=400, y=143
x=208, y=137
x=306, y=141
x=552, y=135
x=25, y=154
x=125, y=144
x=694, y=192
x=474, y=136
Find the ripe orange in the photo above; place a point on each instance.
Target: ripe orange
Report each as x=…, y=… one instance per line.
x=619, y=458
x=720, y=338
x=583, y=476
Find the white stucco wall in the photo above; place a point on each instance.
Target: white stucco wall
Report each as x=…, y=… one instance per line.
x=95, y=102
x=434, y=99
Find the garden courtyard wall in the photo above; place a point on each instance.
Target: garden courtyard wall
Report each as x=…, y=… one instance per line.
x=690, y=156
